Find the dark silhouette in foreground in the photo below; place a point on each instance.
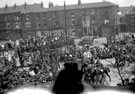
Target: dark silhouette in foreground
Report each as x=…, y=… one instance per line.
x=68, y=80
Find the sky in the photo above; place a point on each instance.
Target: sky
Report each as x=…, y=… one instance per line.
x=61, y=2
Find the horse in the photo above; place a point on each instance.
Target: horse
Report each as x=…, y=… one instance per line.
x=97, y=75
x=100, y=75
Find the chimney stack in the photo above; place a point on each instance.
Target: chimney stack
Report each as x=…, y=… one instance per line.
x=6, y=7
x=25, y=4
x=131, y=5
x=79, y=2
x=50, y=4
x=42, y=5
x=15, y=6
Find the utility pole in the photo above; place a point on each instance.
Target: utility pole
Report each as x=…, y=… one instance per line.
x=66, y=33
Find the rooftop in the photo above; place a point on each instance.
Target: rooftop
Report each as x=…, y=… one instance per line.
x=38, y=7
x=132, y=11
x=125, y=10
x=20, y=8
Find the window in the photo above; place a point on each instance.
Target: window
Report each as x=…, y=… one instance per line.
x=132, y=21
x=7, y=31
x=106, y=17
x=55, y=14
x=93, y=22
x=73, y=21
x=0, y=19
x=106, y=12
x=85, y=31
x=38, y=16
x=27, y=24
x=94, y=31
x=44, y=15
x=106, y=21
x=85, y=21
x=72, y=14
x=133, y=16
x=84, y=13
x=8, y=25
x=117, y=19
x=44, y=25
x=16, y=18
x=73, y=32
x=27, y=17
x=56, y=23
x=38, y=25
x=133, y=24
x=132, y=28
x=6, y=18
x=93, y=12
x=17, y=25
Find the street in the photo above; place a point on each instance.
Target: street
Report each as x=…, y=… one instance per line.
x=126, y=72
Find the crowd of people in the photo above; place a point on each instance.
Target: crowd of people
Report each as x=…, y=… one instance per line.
x=39, y=60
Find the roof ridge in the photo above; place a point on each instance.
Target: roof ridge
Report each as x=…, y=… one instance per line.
x=22, y=5
x=36, y=8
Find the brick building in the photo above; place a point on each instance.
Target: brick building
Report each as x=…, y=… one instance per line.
x=98, y=19
x=123, y=18
x=130, y=20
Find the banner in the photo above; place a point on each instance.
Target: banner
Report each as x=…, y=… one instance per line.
x=38, y=33
x=99, y=41
x=55, y=33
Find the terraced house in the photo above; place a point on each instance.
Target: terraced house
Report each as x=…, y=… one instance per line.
x=93, y=19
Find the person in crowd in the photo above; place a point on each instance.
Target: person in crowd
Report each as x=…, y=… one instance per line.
x=49, y=55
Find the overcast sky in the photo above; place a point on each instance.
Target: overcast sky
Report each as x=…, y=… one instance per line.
x=60, y=2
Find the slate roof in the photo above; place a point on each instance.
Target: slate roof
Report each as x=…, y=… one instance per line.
x=132, y=11
x=21, y=8
x=37, y=7
x=125, y=10
x=81, y=6
x=86, y=5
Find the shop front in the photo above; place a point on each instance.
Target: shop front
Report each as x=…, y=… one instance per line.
x=10, y=34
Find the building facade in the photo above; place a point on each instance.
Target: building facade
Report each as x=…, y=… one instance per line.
x=130, y=21
x=90, y=19
x=123, y=12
